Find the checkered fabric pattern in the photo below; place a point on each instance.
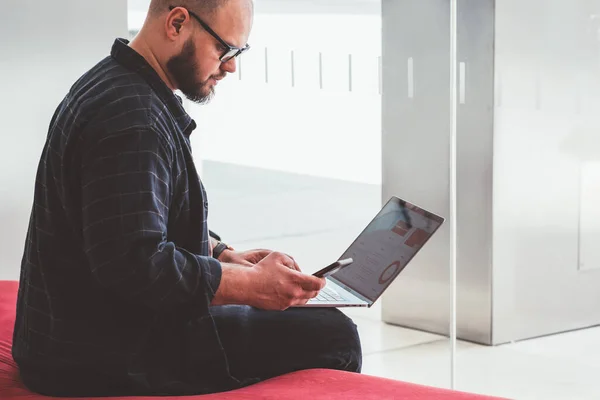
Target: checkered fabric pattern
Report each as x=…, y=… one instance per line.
x=117, y=256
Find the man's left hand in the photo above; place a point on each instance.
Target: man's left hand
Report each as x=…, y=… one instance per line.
x=247, y=258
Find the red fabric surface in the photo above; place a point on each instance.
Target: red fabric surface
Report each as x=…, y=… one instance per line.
x=303, y=385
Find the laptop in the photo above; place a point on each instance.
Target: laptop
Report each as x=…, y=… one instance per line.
x=380, y=253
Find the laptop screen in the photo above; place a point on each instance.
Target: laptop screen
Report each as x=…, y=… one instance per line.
x=386, y=245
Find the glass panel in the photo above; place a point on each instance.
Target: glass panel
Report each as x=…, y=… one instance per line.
x=416, y=158
x=542, y=168
x=290, y=147
x=290, y=150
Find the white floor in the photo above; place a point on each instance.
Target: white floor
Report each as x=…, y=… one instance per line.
x=565, y=366
x=315, y=219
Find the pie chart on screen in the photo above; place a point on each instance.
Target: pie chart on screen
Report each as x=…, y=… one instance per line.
x=389, y=272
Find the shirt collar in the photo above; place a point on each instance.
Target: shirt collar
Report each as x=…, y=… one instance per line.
x=134, y=61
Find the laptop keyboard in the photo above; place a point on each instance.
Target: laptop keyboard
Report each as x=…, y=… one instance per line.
x=328, y=295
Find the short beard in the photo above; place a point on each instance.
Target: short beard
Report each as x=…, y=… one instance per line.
x=183, y=68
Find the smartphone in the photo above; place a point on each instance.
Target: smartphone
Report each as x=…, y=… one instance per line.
x=333, y=268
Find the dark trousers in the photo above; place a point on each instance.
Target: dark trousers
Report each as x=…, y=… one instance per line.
x=263, y=344
x=258, y=344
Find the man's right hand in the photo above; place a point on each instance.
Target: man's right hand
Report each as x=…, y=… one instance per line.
x=272, y=284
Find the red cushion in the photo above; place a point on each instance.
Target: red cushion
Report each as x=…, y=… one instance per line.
x=310, y=384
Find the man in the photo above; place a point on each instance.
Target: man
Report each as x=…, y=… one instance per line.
x=119, y=294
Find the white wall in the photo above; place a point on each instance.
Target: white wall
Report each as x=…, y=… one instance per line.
x=327, y=132
x=44, y=47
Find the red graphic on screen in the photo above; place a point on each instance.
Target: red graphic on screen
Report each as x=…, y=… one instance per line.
x=417, y=239
x=401, y=228
x=389, y=272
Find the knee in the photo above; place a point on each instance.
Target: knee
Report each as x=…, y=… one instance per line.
x=354, y=351
x=347, y=343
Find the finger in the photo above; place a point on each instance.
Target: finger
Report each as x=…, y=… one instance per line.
x=306, y=297
x=300, y=302
x=261, y=253
x=293, y=265
x=288, y=262
x=310, y=283
x=258, y=255
x=296, y=266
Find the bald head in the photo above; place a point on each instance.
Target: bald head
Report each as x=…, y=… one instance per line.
x=206, y=7
x=192, y=44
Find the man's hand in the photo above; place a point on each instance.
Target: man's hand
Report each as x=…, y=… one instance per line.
x=272, y=284
x=250, y=258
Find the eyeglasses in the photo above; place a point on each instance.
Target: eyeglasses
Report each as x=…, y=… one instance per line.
x=230, y=51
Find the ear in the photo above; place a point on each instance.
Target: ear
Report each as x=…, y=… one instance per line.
x=177, y=22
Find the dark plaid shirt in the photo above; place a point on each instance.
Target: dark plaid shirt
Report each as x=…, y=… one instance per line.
x=116, y=277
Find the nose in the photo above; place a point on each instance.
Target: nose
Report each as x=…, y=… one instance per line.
x=229, y=66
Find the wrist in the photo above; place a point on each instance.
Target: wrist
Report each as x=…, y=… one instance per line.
x=225, y=255
x=219, y=249
x=233, y=289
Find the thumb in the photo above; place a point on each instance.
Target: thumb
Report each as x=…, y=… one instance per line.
x=309, y=282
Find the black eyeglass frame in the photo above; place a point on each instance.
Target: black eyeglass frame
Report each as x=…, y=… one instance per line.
x=231, y=52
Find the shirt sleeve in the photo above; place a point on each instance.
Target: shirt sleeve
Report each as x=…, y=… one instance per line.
x=126, y=188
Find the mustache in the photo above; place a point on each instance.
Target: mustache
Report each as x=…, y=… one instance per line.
x=218, y=77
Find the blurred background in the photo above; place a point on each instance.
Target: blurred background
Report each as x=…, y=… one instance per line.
x=341, y=104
